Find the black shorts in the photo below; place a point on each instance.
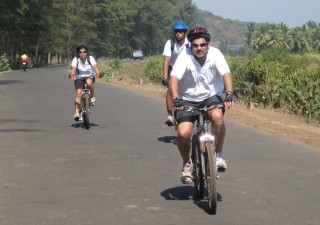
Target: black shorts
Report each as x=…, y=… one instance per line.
x=182, y=116
x=79, y=83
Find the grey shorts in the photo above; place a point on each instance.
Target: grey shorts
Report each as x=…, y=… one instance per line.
x=79, y=83
x=182, y=116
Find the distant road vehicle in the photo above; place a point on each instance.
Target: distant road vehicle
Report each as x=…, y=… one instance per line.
x=138, y=54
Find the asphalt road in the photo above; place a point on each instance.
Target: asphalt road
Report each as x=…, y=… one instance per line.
x=125, y=169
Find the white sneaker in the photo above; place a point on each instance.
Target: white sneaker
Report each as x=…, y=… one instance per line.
x=93, y=101
x=186, y=175
x=221, y=163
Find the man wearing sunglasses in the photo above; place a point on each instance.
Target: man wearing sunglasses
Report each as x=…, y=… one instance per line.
x=172, y=49
x=83, y=66
x=198, y=78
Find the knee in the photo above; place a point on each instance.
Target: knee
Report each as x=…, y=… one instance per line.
x=184, y=136
x=217, y=118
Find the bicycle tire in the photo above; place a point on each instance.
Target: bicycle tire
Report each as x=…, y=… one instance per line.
x=86, y=102
x=211, y=176
x=197, y=165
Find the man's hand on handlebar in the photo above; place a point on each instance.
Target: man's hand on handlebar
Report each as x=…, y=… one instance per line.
x=177, y=104
x=229, y=100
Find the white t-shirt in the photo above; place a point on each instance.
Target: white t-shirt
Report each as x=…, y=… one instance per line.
x=85, y=69
x=176, y=50
x=199, y=83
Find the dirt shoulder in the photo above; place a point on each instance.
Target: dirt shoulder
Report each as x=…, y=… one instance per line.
x=270, y=121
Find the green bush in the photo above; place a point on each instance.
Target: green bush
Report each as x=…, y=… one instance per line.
x=110, y=68
x=153, y=68
x=275, y=79
x=4, y=63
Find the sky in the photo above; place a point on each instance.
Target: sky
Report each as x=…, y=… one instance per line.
x=291, y=12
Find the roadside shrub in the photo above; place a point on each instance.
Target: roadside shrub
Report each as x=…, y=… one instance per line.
x=109, y=68
x=4, y=63
x=153, y=68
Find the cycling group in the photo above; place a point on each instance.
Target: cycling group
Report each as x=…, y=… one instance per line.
x=195, y=74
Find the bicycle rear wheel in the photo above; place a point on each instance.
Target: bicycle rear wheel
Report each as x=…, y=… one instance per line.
x=211, y=176
x=197, y=165
x=86, y=103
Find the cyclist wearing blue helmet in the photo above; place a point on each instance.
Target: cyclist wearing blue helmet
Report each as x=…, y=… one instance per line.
x=172, y=49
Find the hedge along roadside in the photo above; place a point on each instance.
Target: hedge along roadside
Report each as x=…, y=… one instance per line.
x=275, y=84
x=287, y=83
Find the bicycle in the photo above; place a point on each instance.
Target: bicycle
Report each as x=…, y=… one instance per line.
x=203, y=157
x=85, y=104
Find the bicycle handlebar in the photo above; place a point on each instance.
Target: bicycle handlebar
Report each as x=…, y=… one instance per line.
x=188, y=108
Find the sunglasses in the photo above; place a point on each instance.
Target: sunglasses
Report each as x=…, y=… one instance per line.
x=198, y=30
x=82, y=52
x=197, y=45
x=179, y=31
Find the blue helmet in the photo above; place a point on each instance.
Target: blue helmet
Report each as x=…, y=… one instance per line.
x=180, y=26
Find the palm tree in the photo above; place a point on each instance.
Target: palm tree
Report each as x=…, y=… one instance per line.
x=311, y=24
x=261, y=38
x=276, y=39
x=248, y=36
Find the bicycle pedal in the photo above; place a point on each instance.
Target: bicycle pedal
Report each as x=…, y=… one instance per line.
x=221, y=169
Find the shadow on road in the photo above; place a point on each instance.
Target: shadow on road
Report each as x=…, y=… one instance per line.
x=80, y=125
x=20, y=130
x=17, y=121
x=185, y=193
x=2, y=82
x=168, y=139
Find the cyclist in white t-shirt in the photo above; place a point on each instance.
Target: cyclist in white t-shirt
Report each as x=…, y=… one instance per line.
x=83, y=66
x=198, y=78
x=172, y=49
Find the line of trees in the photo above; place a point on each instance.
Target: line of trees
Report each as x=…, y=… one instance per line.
x=279, y=36
x=113, y=28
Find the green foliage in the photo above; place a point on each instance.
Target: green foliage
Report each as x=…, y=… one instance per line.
x=112, y=70
x=153, y=68
x=4, y=63
x=275, y=79
x=44, y=29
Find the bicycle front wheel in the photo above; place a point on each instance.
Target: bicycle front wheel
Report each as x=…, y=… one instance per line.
x=86, y=103
x=211, y=176
x=197, y=165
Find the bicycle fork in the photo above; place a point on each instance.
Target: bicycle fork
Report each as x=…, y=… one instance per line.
x=203, y=140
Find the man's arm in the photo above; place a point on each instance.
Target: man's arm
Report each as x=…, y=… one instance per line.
x=174, y=86
x=228, y=86
x=166, y=60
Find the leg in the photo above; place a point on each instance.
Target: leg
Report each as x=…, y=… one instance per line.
x=170, y=121
x=183, y=143
x=90, y=82
x=77, y=100
x=218, y=128
x=169, y=102
x=90, y=85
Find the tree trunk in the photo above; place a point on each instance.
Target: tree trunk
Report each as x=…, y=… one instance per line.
x=49, y=58
x=37, y=49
